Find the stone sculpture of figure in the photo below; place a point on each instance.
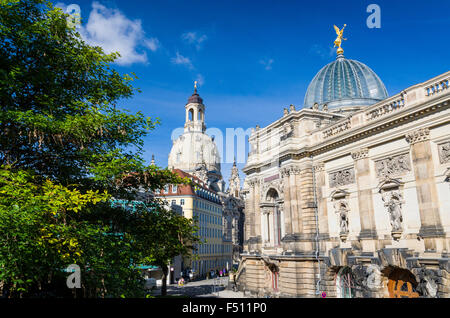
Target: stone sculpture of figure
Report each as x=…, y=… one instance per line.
x=394, y=208
x=427, y=283
x=343, y=218
x=373, y=280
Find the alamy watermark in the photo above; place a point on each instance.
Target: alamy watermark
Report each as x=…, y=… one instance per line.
x=74, y=12
x=74, y=279
x=374, y=20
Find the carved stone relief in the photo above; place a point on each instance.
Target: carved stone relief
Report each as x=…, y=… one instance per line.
x=342, y=177
x=394, y=165
x=444, y=152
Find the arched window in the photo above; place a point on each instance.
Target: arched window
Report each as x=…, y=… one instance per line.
x=191, y=114
x=345, y=285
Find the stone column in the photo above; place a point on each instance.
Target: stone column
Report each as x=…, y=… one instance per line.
x=319, y=172
x=365, y=200
x=427, y=195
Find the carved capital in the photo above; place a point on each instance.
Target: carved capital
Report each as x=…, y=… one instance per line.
x=253, y=183
x=294, y=170
x=319, y=166
x=284, y=172
x=418, y=135
x=360, y=153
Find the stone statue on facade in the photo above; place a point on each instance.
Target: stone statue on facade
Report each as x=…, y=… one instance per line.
x=394, y=208
x=393, y=202
x=343, y=211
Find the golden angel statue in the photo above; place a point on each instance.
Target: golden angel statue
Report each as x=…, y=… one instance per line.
x=339, y=39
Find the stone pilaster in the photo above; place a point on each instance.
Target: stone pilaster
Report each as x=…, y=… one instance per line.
x=365, y=200
x=295, y=199
x=319, y=172
x=427, y=195
x=287, y=201
x=248, y=215
x=257, y=214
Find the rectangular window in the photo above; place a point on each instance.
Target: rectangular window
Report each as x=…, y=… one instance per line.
x=182, y=202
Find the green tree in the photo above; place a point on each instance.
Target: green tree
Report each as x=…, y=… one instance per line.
x=67, y=149
x=171, y=235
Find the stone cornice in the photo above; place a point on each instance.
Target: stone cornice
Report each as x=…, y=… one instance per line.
x=418, y=135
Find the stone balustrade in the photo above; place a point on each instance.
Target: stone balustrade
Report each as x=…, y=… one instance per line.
x=437, y=87
x=387, y=108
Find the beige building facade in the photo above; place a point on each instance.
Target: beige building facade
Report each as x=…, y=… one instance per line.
x=350, y=196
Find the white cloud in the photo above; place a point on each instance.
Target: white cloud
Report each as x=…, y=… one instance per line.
x=324, y=53
x=200, y=80
x=182, y=60
x=194, y=38
x=114, y=32
x=152, y=44
x=267, y=64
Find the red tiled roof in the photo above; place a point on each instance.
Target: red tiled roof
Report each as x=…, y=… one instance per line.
x=186, y=189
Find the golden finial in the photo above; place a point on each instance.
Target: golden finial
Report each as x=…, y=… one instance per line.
x=339, y=39
x=195, y=86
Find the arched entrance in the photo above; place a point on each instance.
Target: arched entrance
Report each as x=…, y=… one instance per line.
x=402, y=284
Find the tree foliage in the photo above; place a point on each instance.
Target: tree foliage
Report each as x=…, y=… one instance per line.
x=66, y=150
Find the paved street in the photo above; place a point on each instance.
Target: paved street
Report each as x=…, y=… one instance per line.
x=204, y=288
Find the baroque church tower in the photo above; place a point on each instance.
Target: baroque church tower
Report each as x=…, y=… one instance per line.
x=194, y=151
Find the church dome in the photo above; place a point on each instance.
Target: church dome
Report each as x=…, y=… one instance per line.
x=193, y=149
x=345, y=83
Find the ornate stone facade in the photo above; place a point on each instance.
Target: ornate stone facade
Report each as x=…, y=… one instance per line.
x=355, y=206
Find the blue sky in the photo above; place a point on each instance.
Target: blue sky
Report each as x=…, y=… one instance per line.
x=253, y=58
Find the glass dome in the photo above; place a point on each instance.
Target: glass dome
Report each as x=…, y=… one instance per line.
x=344, y=83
